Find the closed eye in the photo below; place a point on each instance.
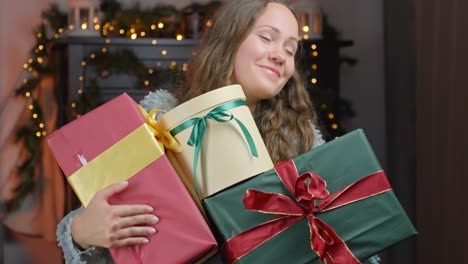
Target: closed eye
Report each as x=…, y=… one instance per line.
x=265, y=38
x=290, y=52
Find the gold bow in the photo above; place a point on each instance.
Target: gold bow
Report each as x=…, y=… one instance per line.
x=162, y=135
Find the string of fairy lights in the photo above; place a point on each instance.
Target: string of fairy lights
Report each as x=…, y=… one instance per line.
x=147, y=83
x=313, y=51
x=38, y=65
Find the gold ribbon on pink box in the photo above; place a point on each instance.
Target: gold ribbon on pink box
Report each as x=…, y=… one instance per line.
x=147, y=142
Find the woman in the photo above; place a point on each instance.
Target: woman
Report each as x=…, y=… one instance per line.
x=252, y=43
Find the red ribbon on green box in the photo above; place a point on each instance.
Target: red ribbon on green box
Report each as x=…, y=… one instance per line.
x=306, y=189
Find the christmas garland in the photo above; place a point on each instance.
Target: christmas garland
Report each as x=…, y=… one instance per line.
x=115, y=21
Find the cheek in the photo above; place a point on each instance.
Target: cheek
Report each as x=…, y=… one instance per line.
x=290, y=68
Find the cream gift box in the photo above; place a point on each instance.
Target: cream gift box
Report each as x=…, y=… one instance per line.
x=220, y=140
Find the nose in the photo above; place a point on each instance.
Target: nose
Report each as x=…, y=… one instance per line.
x=277, y=54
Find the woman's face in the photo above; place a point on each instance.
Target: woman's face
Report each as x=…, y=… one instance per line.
x=265, y=60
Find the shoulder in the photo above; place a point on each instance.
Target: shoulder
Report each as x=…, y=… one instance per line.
x=160, y=99
x=318, y=137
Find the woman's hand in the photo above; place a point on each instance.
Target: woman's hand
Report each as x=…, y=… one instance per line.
x=104, y=225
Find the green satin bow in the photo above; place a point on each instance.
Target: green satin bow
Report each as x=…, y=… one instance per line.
x=219, y=114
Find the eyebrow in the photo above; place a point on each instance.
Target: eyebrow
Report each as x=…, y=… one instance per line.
x=277, y=30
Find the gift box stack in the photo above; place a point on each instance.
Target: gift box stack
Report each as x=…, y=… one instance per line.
x=332, y=204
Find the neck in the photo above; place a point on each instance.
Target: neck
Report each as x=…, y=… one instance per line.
x=252, y=105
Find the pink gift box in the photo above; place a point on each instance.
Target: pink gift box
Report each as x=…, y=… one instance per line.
x=183, y=235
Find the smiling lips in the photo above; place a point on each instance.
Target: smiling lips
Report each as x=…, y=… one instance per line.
x=272, y=70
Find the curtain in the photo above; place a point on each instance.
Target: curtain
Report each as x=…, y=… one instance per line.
x=441, y=130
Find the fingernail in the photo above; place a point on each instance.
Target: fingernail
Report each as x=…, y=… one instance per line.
x=149, y=209
x=151, y=231
x=145, y=241
x=154, y=219
x=124, y=183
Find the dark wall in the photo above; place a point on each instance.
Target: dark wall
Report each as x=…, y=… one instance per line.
x=400, y=83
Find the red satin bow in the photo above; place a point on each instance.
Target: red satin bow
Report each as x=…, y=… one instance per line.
x=306, y=189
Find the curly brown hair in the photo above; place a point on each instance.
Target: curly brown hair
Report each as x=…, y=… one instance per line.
x=284, y=121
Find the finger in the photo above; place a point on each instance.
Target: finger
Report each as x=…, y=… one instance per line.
x=112, y=189
x=135, y=231
x=137, y=220
x=131, y=241
x=131, y=210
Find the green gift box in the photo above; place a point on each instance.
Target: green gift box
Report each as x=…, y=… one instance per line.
x=366, y=226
